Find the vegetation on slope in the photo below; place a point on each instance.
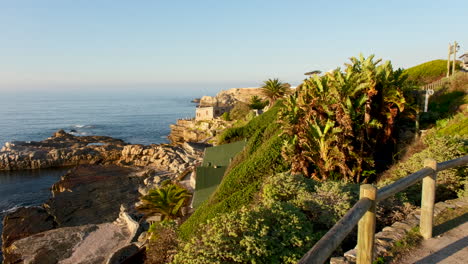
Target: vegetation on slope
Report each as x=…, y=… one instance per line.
x=260, y=158
x=290, y=214
x=255, y=212
x=428, y=72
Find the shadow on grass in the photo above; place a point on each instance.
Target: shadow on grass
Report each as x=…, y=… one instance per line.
x=448, y=225
x=445, y=252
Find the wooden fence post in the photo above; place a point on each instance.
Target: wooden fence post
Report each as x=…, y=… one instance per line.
x=366, y=227
x=428, y=199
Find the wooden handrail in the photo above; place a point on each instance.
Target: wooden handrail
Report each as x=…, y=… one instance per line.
x=330, y=241
x=450, y=164
x=402, y=184
x=322, y=250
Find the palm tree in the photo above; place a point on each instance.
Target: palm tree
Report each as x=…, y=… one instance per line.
x=167, y=200
x=274, y=89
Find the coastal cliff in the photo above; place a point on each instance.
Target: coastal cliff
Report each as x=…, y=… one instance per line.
x=193, y=130
x=197, y=131
x=231, y=96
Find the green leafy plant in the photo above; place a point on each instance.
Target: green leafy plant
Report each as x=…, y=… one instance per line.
x=167, y=200
x=339, y=123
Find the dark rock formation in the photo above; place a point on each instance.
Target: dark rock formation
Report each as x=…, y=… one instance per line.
x=91, y=194
x=25, y=222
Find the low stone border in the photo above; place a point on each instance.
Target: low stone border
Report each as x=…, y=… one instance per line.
x=385, y=239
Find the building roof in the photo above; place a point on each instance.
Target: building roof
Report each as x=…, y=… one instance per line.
x=222, y=155
x=463, y=55
x=210, y=174
x=208, y=179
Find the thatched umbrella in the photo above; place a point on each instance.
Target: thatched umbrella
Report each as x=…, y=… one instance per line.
x=313, y=73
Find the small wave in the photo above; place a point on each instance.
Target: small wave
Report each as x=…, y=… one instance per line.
x=9, y=210
x=79, y=133
x=83, y=126
x=16, y=207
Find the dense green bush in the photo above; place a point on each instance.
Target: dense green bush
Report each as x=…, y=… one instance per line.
x=324, y=202
x=277, y=233
x=240, y=111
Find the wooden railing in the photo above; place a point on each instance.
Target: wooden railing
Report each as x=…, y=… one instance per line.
x=363, y=213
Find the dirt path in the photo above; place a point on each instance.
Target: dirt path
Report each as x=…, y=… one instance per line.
x=448, y=246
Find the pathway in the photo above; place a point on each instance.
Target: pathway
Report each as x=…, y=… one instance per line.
x=448, y=246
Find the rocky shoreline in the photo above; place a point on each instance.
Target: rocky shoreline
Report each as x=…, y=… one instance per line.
x=91, y=217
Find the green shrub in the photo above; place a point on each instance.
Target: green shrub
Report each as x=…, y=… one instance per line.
x=440, y=148
x=225, y=116
x=278, y=233
x=257, y=103
x=240, y=111
x=285, y=187
x=331, y=201
x=324, y=202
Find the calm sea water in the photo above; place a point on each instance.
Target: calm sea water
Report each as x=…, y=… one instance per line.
x=135, y=118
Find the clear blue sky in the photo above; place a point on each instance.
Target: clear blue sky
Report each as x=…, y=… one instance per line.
x=109, y=44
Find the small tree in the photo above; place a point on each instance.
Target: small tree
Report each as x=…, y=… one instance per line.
x=257, y=103
x=274, y=89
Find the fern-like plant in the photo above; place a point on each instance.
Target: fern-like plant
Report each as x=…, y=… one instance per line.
x=167, y=200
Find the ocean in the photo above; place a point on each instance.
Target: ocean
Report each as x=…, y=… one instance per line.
x=135, y=118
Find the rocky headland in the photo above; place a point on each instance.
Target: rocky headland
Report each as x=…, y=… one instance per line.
x=232, y=96
x=193, y=130
x=91, y=217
